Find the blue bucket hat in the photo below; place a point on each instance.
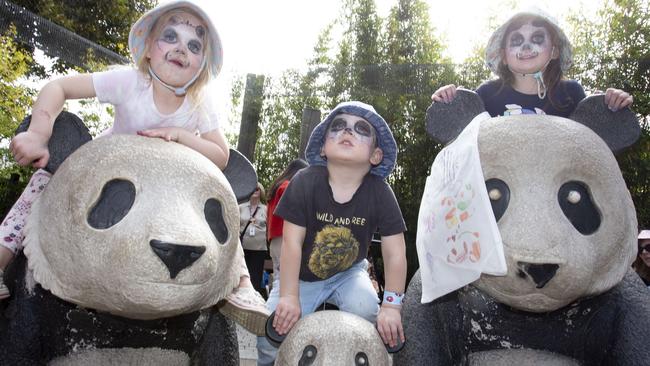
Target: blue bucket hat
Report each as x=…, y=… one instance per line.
x=385, y=139
x=141, y=28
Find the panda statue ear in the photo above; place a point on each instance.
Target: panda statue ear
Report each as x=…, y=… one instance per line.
x=241, y=175
x=445, y=121
x=619, y=129
x=68, y=134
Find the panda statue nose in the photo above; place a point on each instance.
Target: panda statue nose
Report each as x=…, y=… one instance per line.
x=540, y=273
x=175, y=256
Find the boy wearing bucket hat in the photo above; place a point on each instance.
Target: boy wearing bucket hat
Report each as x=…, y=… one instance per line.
x=177, y=51
x=331, y=210
x=530, y=54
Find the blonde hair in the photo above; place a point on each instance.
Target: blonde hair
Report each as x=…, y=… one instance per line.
x=194, y=91
x=262, y=192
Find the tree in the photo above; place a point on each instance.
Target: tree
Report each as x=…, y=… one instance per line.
x=104, y=22
x=393, y=64
x=15, y=100
x=107, y=23
x=613, y=50
x=415, y=67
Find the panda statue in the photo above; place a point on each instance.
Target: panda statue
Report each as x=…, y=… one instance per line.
x=128, y=249
x=569, y=229
x=331, y=337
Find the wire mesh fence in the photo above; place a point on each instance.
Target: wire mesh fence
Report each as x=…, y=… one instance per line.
x=54, y=40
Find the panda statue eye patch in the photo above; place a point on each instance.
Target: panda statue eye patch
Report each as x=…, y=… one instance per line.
x=499, y=194
x=113, y=204
x=214, y=216
x=361, y=359
x=575, y=200
x=308, y=356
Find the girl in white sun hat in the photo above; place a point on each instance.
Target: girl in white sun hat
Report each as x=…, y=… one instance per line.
x=530, y=54
x=177, y=51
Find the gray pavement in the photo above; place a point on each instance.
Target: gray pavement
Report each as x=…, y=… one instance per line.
x=247, y=347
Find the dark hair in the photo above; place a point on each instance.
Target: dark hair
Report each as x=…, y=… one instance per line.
x=641, y=269
x=639, y=265
x=294, y=166
x=552, y=74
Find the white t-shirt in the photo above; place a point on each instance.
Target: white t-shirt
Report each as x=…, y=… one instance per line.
x=132, y=96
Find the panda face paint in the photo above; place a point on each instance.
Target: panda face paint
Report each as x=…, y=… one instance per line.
x=528, y=49
x=359, y=128
x=176, y=54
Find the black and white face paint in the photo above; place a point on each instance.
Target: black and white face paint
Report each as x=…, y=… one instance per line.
x=528, y=42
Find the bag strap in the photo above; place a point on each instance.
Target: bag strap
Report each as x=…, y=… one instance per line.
x=249, y=221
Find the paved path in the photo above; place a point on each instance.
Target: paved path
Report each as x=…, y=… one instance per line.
x=247, y=348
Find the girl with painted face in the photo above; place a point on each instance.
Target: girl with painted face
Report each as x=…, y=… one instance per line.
x=530, y=54
x=177, y=51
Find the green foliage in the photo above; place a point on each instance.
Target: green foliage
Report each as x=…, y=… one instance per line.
x=15, y=98
x=393, y=64
x=396, y=62
x=613, y=50
x=106, y=23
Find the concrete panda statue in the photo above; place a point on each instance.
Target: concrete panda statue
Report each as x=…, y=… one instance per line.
x=332, y=337
x=128, y=248
x=569, y=231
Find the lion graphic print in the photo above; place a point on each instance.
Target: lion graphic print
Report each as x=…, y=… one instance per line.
x=335, y=250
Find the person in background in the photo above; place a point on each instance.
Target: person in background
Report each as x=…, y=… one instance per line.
x=642, y=263
x=274, y=223
x=252, y=229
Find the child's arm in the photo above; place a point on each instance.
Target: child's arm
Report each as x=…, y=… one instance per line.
x=389, y=320
x=30, y=147
x=212, y=144
x=444, y=94
x=288, y=311
x=617, y=99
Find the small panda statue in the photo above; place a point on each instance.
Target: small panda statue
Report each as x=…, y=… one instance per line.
x=332, y=337
x=568, y=226
x=130, y=246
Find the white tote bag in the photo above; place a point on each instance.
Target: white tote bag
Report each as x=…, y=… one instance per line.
x=457, y=238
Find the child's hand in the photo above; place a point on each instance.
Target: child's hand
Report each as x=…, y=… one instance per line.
x=165, y=133
x=30, y=147
x=445, y=94
x=287, y=314
x=617, y=99
x=389, y=325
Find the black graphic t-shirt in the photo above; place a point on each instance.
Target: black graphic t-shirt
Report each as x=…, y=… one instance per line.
x=337, y=234
x=503, y=100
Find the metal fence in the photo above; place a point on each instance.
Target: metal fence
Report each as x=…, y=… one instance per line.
x=54, y=40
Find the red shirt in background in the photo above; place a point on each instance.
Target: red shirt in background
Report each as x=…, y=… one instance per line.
x=274, y=223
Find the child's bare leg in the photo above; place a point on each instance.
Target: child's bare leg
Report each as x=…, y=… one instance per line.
x=245, y=281
x=11, y=229
x=6, y=256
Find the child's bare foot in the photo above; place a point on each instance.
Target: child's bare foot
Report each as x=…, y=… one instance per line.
x=246, y=307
